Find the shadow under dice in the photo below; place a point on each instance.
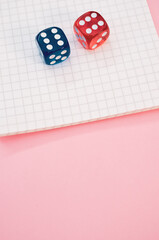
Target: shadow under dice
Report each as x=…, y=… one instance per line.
x=91, y=30
x=53, y=45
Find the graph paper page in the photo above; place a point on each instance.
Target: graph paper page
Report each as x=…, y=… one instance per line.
x=120, y=77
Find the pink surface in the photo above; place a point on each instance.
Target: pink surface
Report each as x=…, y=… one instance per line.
x=96, y=181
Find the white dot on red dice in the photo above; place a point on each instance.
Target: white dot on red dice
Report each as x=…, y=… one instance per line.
x=43, y=34
x=104, y=34
x=94, y=46
x=52, y=56
x=88, y=30
x=53, y=62
x=99, y=40
x=88, y=19
x=58, y=57
x=76, y=30
x=84, y=38
x=63, y=58
x=63, y=52
x=46, y=40
x=94, y=15
x=94, y=27
x=100, y=23
x=84, y=44
x=54, y=30
x=49, y=47
x=82, y=22
x=60, y=43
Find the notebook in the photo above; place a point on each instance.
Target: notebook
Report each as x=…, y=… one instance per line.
x=120, y=77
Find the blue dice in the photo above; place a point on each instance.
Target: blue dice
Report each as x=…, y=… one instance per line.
x=53, y=45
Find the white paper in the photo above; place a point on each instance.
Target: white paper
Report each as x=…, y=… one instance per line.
x=120, y=77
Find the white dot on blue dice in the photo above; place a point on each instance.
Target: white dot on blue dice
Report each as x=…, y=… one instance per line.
x=43, y=34
x=63, y=52
x=52, y=56
x=63, y=58
x=54, y=30
x=46, y=40
x=49, y=47
x=53, y=62
x=58, y=57
x=60, y=43
x=57, y=36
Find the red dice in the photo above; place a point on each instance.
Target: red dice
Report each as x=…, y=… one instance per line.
x=91, y=30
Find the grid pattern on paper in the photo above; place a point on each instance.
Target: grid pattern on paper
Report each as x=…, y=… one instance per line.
x=120, y=77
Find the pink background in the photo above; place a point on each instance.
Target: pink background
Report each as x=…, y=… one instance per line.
x=96, y=181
